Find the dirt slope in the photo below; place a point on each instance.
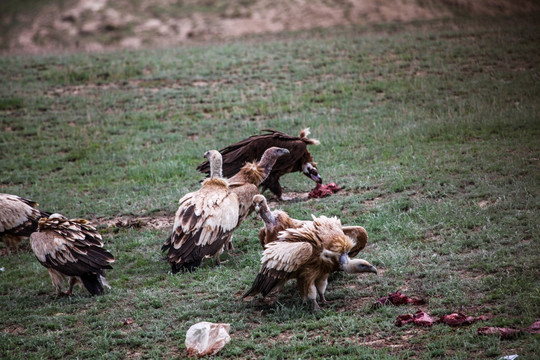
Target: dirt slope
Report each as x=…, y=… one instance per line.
x=96, y=25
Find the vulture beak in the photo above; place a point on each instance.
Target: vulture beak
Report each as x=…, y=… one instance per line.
x=257, y=208
x=343, y=260
x=311, y=172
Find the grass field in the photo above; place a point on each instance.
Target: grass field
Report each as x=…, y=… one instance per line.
x=432, y=128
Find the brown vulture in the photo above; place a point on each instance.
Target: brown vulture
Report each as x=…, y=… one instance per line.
x=277, y=220
x=204, y=221
x=308, y=254
x=71, y=248
x=235, y=156
x=245, y=184
x=18, y=219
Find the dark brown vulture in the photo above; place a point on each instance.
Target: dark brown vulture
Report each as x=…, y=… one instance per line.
x=277, y=220
x=308, y=254
x=204, y=221
x=18, y=219
x=235, y=156
x=71, y=248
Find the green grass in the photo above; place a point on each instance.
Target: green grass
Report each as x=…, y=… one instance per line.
x=432, y=128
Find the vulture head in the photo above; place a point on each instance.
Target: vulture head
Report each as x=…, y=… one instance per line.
x=215, y=160
x=310, y=170
x=259, y=202
x=355, y=266
x=269, y=158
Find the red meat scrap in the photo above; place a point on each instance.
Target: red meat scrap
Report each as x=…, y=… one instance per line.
x=321, y=190
x=419, y=318
x=534, y=328
x=508, y=333
x=397, y=298
x=457, y=319
x=423, y=319
x=504, y=333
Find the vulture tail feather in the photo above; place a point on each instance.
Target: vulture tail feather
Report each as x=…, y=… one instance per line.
x=92, y=283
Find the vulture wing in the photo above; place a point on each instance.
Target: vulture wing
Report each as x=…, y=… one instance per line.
x=203, y=223
x=280, y=260
x=251, y=149
x=359, y=237
x=73, y=249
x=18, y=216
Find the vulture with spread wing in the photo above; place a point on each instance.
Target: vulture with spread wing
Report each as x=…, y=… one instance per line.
x=18, y=219
x=235, y=156
x=308, y=254
x=73, y=249
x=277, y=220
x=204, y=221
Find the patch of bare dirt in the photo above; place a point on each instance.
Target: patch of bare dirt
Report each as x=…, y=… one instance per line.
x=97, y=25
x=14, y=330
x=127, y=222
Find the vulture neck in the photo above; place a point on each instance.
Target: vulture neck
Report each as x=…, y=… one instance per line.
x=215, y=168
x=266, y=163
x=267, y=215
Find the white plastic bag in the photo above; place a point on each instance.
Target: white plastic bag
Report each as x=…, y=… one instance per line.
x=207, y=338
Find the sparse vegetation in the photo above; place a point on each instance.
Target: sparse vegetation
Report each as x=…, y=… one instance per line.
x=431, y=127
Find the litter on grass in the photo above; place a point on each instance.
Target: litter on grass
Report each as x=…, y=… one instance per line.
x=207, y=338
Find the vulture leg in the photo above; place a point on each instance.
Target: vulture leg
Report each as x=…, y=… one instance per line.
x=272, y=184
x=72, y=282
x=12, y=241
x=312, y=295
x=229, y=246
x=321, y=284
x=57, y=280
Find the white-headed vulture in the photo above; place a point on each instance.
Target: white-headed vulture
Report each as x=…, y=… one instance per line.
x=204, y=221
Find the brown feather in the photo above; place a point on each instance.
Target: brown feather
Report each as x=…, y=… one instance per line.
x=18, y=219
x=74, y=249
x=235, y=156
x=204, y=221
x=309, y=254
x=277, y=220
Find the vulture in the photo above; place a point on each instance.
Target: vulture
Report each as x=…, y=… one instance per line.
x=277, y=220
x=235, y=156
x=18, y=219
x=74, y=249
x=308, y=254
x=204, y=221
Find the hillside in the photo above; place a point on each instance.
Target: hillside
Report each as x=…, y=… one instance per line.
x=31, y=26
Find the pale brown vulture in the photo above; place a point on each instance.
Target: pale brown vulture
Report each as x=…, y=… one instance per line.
x=204, y=221
x=235, y=156
x=74, y=249
x=18, y=219
x=245, y=184
x=308, y=254
x=277, y=220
